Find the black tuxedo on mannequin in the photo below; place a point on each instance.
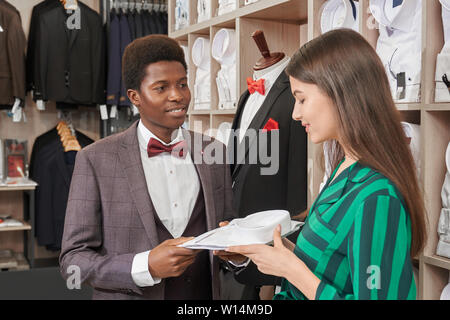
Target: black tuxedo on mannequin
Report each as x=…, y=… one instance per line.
x=287, y=189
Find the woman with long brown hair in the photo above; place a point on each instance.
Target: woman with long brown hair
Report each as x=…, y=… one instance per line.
x=368, y=222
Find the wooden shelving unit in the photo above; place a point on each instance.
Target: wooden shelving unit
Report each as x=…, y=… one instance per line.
x=9, y=236
x=287, y=25
x=25, y=226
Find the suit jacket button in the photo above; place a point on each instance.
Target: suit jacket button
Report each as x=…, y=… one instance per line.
x=188, y=279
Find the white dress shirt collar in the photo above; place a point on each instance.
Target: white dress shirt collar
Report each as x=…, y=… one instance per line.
x=146, y=135
x=271, y=74
x=403, y=20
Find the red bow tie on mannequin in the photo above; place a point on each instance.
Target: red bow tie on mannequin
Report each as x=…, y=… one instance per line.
x=155, y=147
x=256, y=86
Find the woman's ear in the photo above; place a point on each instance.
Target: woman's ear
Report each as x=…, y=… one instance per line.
x=134, y=97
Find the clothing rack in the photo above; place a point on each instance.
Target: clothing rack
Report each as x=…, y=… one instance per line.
x=151, y=5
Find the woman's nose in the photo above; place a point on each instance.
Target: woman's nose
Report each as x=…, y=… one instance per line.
x=296, y=113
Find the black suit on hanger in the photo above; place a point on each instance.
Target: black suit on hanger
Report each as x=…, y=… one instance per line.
x=32, y=63
x=114, y=61
x=132, y=24
x=287, y=189
x=138, y=25
x=52, y=169
x=71, y=68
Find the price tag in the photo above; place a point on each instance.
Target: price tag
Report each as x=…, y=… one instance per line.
x=40, y=105
x=16, y=105
x=103, y=112
x=17, y=116
x=113, y=113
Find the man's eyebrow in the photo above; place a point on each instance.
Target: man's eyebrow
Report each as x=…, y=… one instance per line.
x=166, y=81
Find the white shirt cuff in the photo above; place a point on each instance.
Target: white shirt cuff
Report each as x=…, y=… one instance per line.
x=139, y=271
x=242, y=265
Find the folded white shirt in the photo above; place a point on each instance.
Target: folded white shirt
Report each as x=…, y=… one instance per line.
x=181, y=14
x=442, y=93
x=339, y=14
x=226, y=6
x=400, y=45
x=202, y=86
x=10, y=223
x=256, y=228
x=223, y=50
x=203, y=10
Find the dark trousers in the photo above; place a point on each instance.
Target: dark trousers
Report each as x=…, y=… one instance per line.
x=233, y=290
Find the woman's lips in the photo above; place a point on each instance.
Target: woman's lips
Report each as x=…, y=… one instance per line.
x=307, y=126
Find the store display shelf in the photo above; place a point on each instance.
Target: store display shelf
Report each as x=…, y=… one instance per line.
x=224, y=111
x=277, y=10
x=17, y=187
x=437, y=107
x=437, y=261
x=199, y=112
x=25, y=226
x=409, y=106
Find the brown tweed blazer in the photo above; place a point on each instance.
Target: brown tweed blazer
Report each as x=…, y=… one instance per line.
x=110, y=217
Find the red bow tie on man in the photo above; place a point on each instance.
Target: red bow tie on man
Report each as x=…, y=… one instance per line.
x=254, y=86
x=155, y=147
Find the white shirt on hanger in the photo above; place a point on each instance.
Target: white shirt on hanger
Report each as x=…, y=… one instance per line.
x=226, y=6
x=255, y=100
x=223, y=50
x=173, y=195
x=400, y=45
x=339, y=14
x=443, y=247
x=202, y=86
x=442, y=93
x=203, y=10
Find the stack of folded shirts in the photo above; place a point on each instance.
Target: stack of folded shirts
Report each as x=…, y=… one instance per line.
x=10, y=223
x=256, y=228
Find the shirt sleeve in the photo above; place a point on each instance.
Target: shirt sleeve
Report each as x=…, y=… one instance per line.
x=139, y=271
x=378, y=250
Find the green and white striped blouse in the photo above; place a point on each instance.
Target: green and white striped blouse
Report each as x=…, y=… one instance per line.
x=357, y=240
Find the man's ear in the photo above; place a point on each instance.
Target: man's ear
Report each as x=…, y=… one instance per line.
x=134, y=97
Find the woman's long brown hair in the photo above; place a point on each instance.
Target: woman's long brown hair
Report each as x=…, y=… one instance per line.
x=346, y=68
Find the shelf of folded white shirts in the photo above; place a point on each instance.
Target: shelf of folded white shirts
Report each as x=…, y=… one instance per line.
x=18, y=185
x=14, y=225
x=438, y=261
x=293, y=11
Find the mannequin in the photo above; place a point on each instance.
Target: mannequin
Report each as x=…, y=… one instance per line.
x=202, y=86
x=443, y=59
x=224, y=51
x=339, y=14
x=270, y=64
x=265, y=109
x=443, y=247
